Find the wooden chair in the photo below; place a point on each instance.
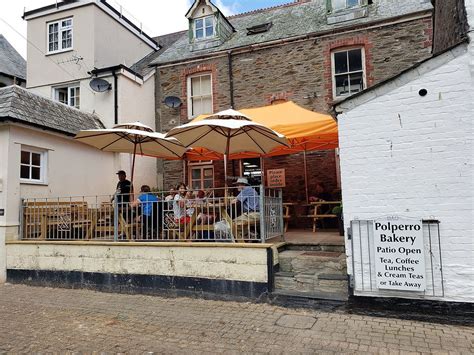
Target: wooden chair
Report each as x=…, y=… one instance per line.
x=42, y=218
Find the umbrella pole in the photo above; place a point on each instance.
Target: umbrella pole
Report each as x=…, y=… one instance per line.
x=305, y=177
x=262, y=170
x=133, y=166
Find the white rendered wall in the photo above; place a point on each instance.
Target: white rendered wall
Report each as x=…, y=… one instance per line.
x=404, y=154
x=239, y=263
x=74, y=169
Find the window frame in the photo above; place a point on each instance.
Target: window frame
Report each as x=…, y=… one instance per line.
x=204, y=37
x=201, y=168
x=68, y=88
x=346, y=7
x=60, y=32
x=43, y=166
x=190, y=97
x=333, y=71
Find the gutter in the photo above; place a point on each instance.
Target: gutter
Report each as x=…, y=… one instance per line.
x=305, y=37
x=114, y=68
x=115, y=97
x=231, y=79
x=9, y=119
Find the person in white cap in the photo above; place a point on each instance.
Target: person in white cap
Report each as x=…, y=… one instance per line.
x=247, y=201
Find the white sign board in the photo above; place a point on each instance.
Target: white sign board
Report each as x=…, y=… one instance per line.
x=399, y=255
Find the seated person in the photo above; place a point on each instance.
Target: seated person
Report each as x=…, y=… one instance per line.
x=247, y=201
x=204, y=217
x=182, y=214
x=320, y=194
x=150, y=211
x=171, y=195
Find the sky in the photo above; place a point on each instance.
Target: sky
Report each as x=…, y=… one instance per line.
x=157, y=17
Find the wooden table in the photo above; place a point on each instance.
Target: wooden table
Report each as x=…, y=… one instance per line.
x=315, y=212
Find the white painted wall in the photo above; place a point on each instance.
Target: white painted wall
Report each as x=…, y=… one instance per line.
x=100, y=40
x=403, y=154
x=211, y=262
x=74, y=169
x=137, y=103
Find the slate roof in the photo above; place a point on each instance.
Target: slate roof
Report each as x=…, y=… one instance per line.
x=21, y=106
x=11, y=62
x=289, y=21
x=143, y=66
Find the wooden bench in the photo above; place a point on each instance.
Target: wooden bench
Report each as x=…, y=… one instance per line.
x=316, y=214
x=45, y=217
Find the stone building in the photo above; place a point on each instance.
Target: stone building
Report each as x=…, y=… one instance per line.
x=12, y=65
x=314, y=53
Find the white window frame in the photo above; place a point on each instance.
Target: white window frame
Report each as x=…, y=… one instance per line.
x=333, y=70
x=204, y=37
x=43, y=165
x=201, y=168
x=359, y=4
x=190, y=97
x=69, y=88
x=61, y=29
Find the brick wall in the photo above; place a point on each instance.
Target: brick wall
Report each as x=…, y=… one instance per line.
x=411, y=155
x=296, y=71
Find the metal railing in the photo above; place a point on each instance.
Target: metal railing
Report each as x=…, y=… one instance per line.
x=216, y=215
x=363, y=277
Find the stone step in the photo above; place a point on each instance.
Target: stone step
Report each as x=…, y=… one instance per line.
x=311, y=282
x=318, y=295
x=341, y=276
x=300, y=261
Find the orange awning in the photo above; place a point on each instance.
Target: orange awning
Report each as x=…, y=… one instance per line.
x=305, y=130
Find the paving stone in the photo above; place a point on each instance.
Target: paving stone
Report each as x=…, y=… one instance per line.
x=47, y=320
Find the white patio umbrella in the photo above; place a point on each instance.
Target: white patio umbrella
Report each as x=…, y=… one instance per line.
x=134, y=138
x=228, y=132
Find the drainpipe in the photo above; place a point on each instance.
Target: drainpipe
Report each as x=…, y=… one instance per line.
x=115, y=97
x=231, y=79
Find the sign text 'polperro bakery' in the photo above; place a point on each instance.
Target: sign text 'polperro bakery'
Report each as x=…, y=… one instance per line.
x=399, y=255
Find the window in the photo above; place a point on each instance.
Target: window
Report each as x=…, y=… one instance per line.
x=33, y=165
x=201, y=177
x=344, y=4
x=204, y=27
x=252, y=170
x=348, y=72
x=60, y=35
x=259, y=28
x=69, y=95
x=199, y=95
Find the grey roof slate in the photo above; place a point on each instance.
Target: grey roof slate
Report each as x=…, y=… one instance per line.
x=289, y=21
x=20, y=105
x=11, y=62
x=143, y=66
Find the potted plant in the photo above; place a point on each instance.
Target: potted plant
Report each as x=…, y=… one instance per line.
x=340, y=218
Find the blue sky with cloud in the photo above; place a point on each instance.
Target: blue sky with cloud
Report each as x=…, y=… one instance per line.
x=248, y=5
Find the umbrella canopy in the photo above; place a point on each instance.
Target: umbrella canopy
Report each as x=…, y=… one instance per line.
x=228, y=132
x=228, y=136
x=306, y=130
x=133, y=141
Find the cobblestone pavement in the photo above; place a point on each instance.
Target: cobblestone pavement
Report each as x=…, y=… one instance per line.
x=35, y=319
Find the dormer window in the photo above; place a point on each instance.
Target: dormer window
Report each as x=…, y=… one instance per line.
x=204, y=27
x=337, y=5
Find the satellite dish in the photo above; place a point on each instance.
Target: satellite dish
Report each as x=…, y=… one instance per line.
x=100, y=85
x=173, y=101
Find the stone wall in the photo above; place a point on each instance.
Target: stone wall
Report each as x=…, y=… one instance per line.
x=299, y=71
x=450, y=24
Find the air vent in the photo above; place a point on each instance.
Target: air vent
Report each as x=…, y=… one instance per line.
x=259, y=28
